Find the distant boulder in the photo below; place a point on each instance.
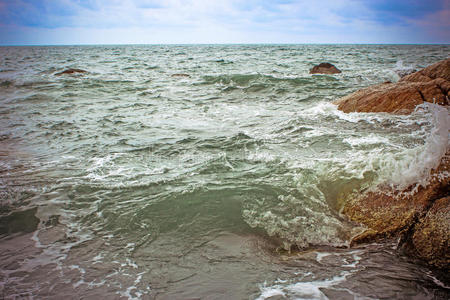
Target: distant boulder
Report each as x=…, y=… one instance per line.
x=324, y=68
x=70, y=71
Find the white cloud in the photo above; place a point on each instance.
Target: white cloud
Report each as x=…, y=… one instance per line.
x=209, y=21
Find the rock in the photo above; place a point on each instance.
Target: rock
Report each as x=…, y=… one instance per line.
x=70, y=71
x=180, y=75
x=324, y=68
x=431, y=84
x=431, y=238
x=420, y=216
x=397, y=98
x=387, y=212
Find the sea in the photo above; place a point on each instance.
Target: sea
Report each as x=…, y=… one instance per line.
x=205, y=172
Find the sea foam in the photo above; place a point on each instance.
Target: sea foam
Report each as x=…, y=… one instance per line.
x=413, y=166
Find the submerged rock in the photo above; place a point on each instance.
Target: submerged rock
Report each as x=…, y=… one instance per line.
x=431, y=84
x=70, y=71
x=420, y=215
x=324, y=68
x=180, y=75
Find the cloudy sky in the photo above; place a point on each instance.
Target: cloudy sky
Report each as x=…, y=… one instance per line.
x=25, y=22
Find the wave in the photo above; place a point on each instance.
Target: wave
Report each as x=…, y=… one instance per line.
x=305, y=214
x=256, y=82
x=398, y=166
x=402, y=70
x=414, y=166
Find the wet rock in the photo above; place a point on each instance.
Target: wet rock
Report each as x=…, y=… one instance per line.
x=431, y=237
x=387, y=212
x=431, y=84
x=324, y=68
x=70, y=71
x=19, y=221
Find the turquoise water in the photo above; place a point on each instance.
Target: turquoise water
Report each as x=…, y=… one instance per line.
x=129, y=182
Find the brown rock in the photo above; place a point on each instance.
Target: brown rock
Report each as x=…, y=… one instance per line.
x=388, y=212
x=385, y=97
x=430, y=85
x=415, y=214
x=324, y=68
x=431, y=238
x=70, y=71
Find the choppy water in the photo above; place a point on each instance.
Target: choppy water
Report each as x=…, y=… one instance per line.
x=128, y=182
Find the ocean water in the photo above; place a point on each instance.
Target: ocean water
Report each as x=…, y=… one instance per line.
x=128, y=182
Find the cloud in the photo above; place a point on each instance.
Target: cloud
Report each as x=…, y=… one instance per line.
x=226, y=21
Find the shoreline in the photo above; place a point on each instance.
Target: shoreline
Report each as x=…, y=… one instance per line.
x=411, y=214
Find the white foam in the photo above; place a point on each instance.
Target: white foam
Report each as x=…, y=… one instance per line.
x=312, y=289
x=366, y=140
x=97, y=259
x=413, y=166
x=321, y=255
x=402, y=68
x=302, y=290
x=137, y=293
x=393, y=163
x=328, y=108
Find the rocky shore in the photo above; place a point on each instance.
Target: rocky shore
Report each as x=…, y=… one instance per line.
x=419, y=216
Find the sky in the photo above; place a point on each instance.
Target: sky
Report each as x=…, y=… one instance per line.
x=68, y=22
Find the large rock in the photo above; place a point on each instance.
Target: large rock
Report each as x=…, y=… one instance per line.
x=431, y=84
x=419, y=215
x=324, y=68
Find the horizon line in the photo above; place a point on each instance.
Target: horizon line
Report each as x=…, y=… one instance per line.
x=212, y=44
